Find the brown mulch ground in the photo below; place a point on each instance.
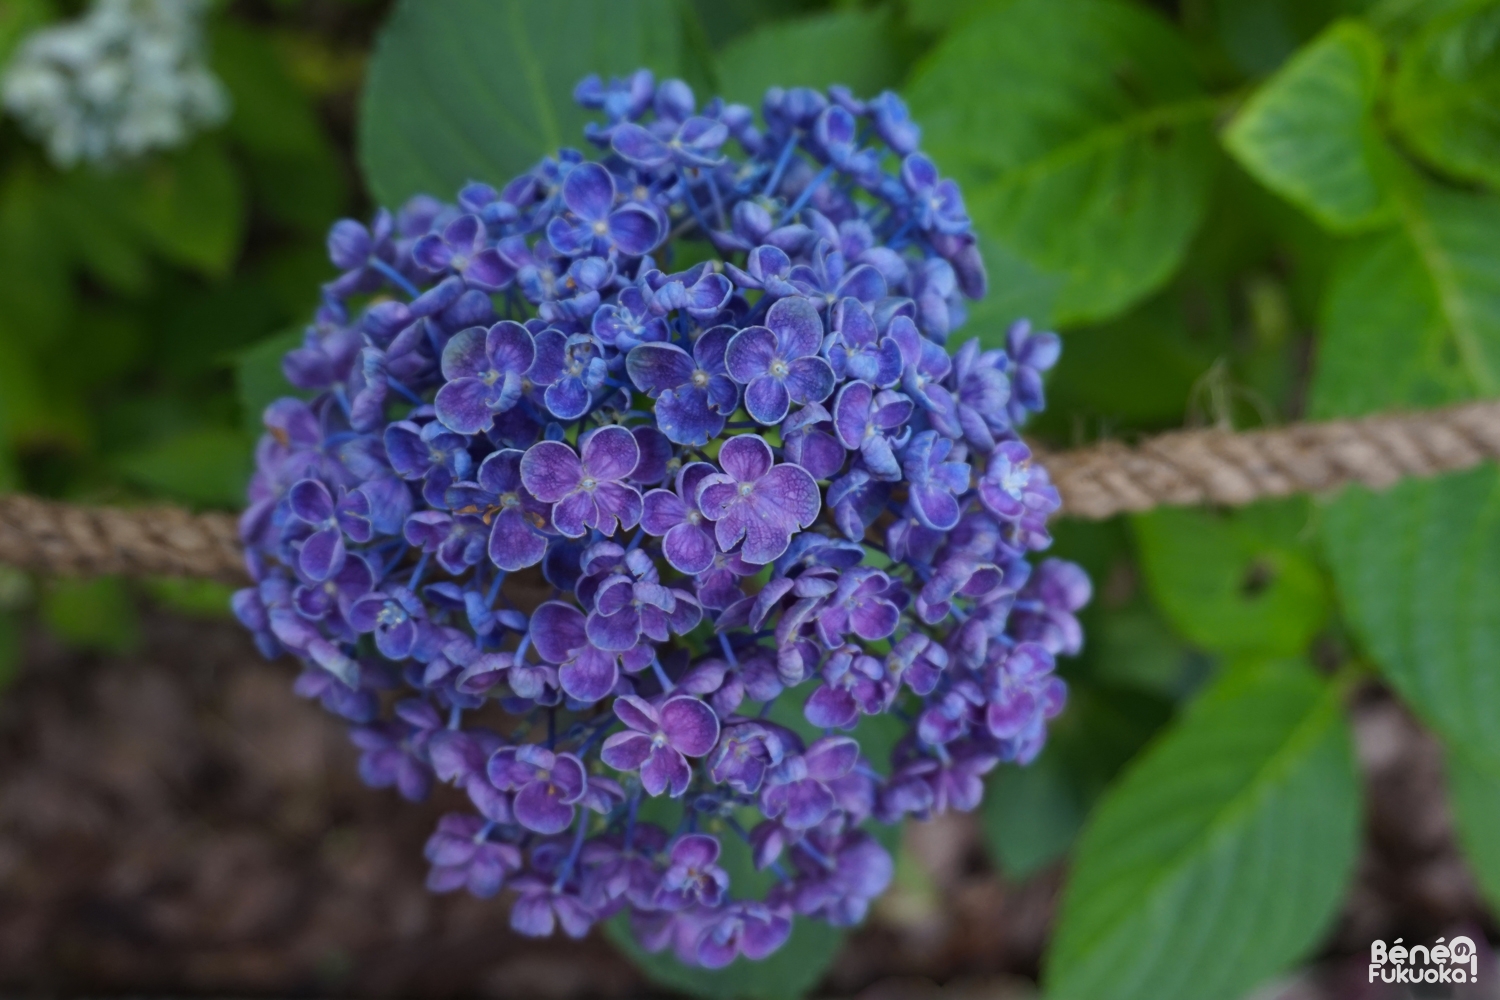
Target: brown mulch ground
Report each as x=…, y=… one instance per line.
x=176, y=822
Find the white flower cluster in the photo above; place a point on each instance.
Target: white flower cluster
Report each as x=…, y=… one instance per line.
x=127, y=77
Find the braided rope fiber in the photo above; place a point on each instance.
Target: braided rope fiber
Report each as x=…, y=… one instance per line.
x=1177, y=469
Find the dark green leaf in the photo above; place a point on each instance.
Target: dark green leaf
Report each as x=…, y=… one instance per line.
x=941, y=15
x=1418, y=570
x=96, y=613
x=723, y=20
x=482, y=89
x=1474, y=793
x=1017, y=291
x=856, y=48
x=1258, y=35
x=293, y=168
x=1221, y=855
x=1446, y=93
x=1309, y=133
x=209, y=466
x=1080, y=134
x=189, y=207
x=1238, y=584
x=10, y=648
x=195, y=598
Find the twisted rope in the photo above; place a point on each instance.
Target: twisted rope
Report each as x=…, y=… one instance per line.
x=1177, y=469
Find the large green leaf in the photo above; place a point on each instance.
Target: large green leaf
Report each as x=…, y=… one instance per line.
x=1413, y=319
x=189, y=207
x=93, y=613
x=854, y=47
x=209, y=466
x=1474, y=793
x=1221, y=855
x=1309, y=133
x=1080, y=133
x=1237, y=583
x=1418, y=569
x=482, y=89
x=1258, y=35
x=259, y=379
x=1445, y=101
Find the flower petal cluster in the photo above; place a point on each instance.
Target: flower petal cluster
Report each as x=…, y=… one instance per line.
x=126, y=78
x=636, y=538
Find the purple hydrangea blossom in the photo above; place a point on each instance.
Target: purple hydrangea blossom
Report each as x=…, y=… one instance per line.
x=568, y=529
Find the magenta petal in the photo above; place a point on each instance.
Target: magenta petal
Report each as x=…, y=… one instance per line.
x=513, y=545
x=746, y=457
x=556, y=630
x=689, y=548
x=666, y=771
x=798, y=327
x=465, y=354
x=750, y=353
x=661, y=511
x=617, y=501
x=690, y=725
x=831, y=707
x=591, y=676
x=637, y=713
x=767, y=399
x=618, y=631
x=626, y=751
x=551, y=470
x=831, y=757
x=538, y=808
x=610, y=453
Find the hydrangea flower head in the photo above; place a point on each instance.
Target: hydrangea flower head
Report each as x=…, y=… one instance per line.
x=126, y=78
x=631, y=534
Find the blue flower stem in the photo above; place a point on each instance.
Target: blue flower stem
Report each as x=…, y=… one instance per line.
x=635, y=805
x=455, y=717
x=489, y=599
x=405, y=393
x=728, y=651
x=395, y=277
x=781, y=165
x=807, y=193
x=661, y=675
x=816, y=854
x=687, y=189
x=566, y=870
x=713, y=190
x=416, y=573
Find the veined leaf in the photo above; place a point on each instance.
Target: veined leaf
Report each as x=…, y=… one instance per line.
x=1080, y=134
x=483, y=89
x=1413, y=320
x=1445, y=100
x=1221, y=855
x=1474, y=793
x=1309, y=132
x=856, y=48
x=1239, y=584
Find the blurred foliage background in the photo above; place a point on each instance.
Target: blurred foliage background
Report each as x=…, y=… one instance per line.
x=1238, y=212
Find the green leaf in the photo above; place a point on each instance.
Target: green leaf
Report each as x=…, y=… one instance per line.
x=482, y=89
x=1412, y=317
x=854, y=47
x=259, y=379
x=1309, y=133
x=1445, y=99
x=194, y=598
x=189, y=207
x=1220, y=857
x=95, y=613
x=1258, y=35
x=1474, y=794
x=1032, y=814
x=942, y=15
x=1017, y=290
x=1239, y=584
x=208, y=466
x=1080, y=134
x=1418, y=571
x=20, y=17
x=294, y=170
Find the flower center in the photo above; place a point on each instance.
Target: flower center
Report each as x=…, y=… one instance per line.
x=1014, y=480
x=693, y=517
x=746, y=489
x=460, y=261
x=779, y=368
x=588, y=482
x=658, y=741
x=601, y=228
x=700, y=378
